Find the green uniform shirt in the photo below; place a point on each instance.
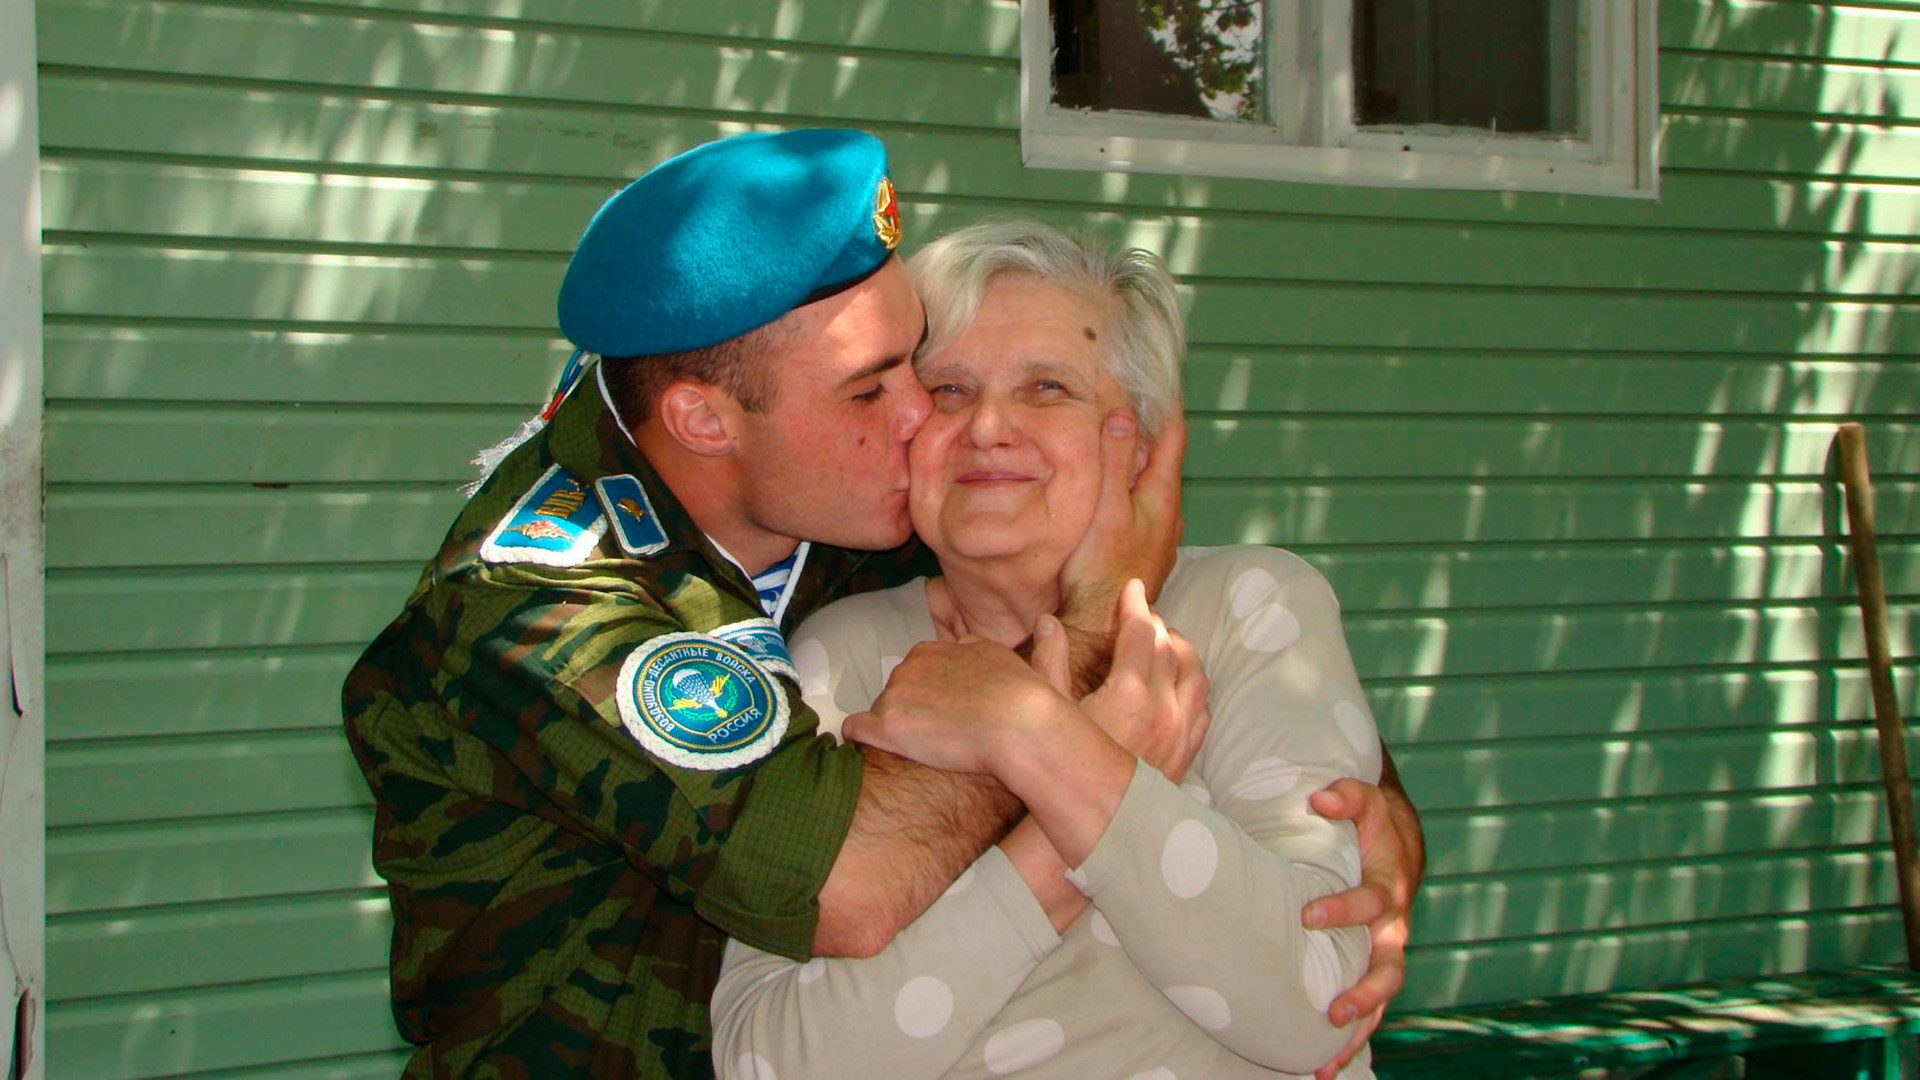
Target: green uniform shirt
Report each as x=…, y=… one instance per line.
x=560, y=892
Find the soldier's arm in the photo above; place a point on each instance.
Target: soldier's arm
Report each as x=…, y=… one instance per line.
x=1393, y=860
x=746, y=843
x=914, y=830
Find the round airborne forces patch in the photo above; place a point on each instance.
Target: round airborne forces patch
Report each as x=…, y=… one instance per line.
x=700, y=703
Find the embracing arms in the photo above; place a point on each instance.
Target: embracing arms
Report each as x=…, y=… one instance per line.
x=914, y=828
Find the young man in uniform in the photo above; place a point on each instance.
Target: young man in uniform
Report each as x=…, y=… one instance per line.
x=589, y=756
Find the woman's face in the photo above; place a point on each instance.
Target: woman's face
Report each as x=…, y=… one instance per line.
x=1009, y=461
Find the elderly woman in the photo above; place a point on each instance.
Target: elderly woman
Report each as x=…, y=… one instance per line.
x=1143, y=922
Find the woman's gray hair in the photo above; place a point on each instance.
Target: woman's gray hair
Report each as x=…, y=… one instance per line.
x=1146, y=333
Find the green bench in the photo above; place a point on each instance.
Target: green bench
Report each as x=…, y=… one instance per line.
x=1859, y=1023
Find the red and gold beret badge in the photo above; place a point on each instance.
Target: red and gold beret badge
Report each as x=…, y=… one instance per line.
x=886, y=214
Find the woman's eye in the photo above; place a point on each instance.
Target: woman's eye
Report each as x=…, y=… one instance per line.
x=870, y=396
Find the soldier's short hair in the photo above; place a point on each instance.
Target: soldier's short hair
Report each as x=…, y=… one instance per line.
x=737, y=365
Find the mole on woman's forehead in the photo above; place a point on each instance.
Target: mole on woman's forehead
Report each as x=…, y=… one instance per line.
x=1091, y=336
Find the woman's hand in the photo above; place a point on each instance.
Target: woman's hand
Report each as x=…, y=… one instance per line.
x=1154, y=700
x=958, y=706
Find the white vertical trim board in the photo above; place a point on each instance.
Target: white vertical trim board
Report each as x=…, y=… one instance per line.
x=22, y=558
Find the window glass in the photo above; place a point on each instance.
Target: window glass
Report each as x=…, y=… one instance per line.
x=1503, y=65
x=1204, y=58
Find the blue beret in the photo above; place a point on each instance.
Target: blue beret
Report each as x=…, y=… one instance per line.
x=728, y=237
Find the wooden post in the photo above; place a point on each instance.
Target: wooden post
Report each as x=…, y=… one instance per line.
x=1886, y=707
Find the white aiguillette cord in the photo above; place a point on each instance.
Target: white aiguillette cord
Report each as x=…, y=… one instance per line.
x=489, y=459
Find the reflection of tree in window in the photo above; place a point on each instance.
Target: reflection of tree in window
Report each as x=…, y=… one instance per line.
x=1505, y=65
x=1183, y=57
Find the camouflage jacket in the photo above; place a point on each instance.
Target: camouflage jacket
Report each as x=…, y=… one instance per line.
x=565, y=868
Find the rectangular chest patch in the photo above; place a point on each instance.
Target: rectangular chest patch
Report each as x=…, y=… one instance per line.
x=554, y=524
x=635, y=524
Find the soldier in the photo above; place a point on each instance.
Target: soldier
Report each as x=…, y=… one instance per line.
x=583, y=733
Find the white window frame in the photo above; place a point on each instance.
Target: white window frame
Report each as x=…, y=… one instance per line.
x=1314, y=139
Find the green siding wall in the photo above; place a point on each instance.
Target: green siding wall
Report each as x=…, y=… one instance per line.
x=1565, y=459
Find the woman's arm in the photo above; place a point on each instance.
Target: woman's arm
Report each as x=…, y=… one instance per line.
x=913, y=1008
x=1203, y=885
x=909, y=1012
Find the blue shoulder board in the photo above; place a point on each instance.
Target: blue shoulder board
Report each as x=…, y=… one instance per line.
x=635, y=524
x=554, y=524
x=762, y=640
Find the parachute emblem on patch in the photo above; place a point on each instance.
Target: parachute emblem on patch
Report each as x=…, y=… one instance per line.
x=700, y=702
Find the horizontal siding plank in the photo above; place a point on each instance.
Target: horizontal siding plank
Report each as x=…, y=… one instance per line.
x=1622, y=897
x=148, y=781
x=1817, y=31
x=1463, y=318
x=288, y=443
x=141, y=780
x=229, y=526
x=1792, y=86
x=1427, y=646
x=1515, y=839
x=266, y=689
x=107, y=868
x=1633, y=703
x=514, y=371
x=144, y=199
x=226, y=609
x=276, y=444
x=115, y=281
x=241, y=608
x=98, y=528
x=968, y=27
x=321, y=47
x=213, y=364
x=1788, y=145
x=119, y=953
x=1226, y=512
x=1648, y=957
x=179, y=1031
x=123, y=115
x=1623, y=769
x=1452, y=383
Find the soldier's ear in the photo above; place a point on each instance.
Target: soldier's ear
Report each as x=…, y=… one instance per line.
x=699, y=416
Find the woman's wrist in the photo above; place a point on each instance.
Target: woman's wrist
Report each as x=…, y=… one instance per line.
x=1044, y=872
x=1070, y=775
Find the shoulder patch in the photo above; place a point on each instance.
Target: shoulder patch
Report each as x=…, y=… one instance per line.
x=553, y=524
x=762, y=640
x=700, y=702
x=635, y=524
